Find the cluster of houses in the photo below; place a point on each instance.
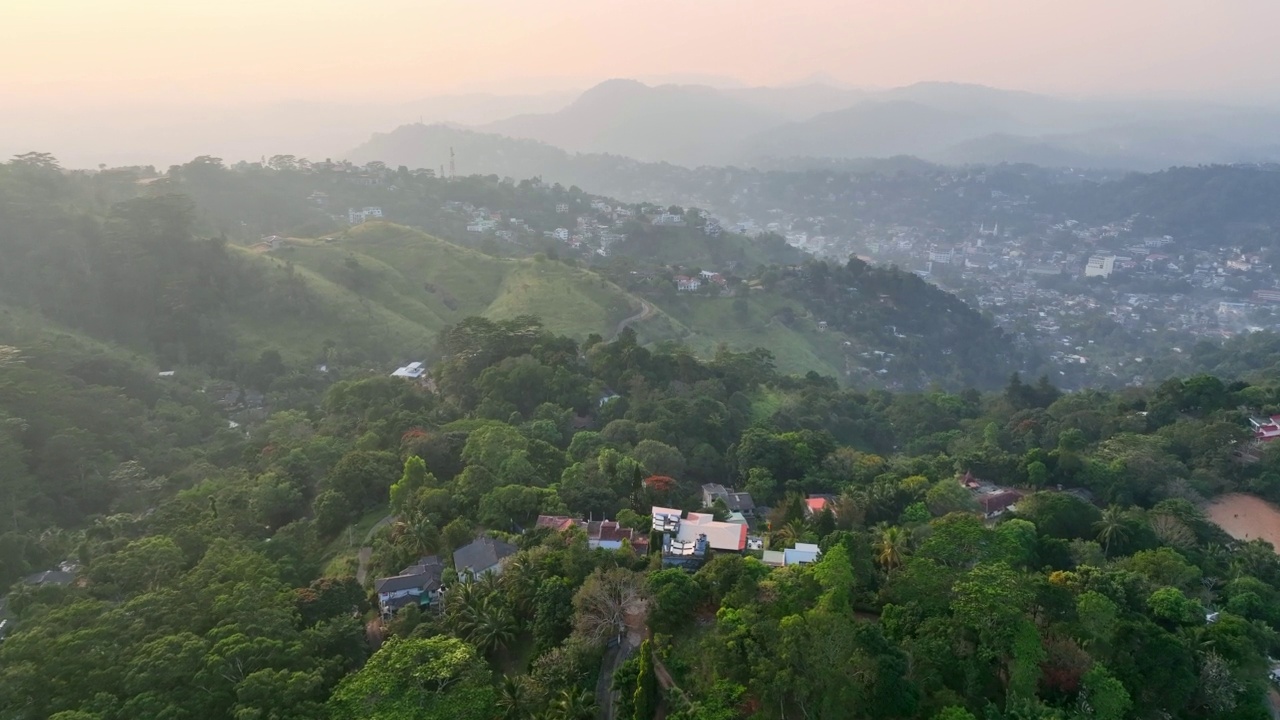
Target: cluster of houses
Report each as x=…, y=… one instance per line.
x=423, y=583
x=692, y=283
x=688, y=539
x=606, y=534
x=355, y=216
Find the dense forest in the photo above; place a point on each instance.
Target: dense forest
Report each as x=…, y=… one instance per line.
x=215, y=568
x=205, y=470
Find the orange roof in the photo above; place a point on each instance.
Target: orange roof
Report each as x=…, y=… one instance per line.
x=816, y=504
x=558, y=523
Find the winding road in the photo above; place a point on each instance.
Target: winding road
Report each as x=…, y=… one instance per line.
x=606, y=696
x=646, y=312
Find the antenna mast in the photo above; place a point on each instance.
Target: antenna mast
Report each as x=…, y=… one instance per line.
x=453, y=170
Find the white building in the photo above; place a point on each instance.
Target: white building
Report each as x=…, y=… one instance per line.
x=1100, y=266
x=355, y=217
x=412, y=371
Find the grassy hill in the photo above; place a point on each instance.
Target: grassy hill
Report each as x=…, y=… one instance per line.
x=387, y=286
x=392, y=288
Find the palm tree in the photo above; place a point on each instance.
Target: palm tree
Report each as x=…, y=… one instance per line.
x=1113, y=526
x=791, y=533
x=490, y=628
x=893, y=546
x=520, y=584
x=514, y=699
x=488, y=584
x=418, y=535
x=462, y=599
x=571, y=706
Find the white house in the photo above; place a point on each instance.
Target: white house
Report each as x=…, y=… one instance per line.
x=684, y=283
x=412, y=371
x=417, y=584
x=801, y=554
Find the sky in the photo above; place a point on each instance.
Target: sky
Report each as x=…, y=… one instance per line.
x=80, y=53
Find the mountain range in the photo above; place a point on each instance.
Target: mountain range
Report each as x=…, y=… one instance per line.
x=692, y=125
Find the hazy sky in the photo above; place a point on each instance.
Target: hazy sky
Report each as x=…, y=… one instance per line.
x=65, y=51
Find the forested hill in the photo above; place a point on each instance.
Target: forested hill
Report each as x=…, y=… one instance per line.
x=129, y=257
x=1209, y=205
x=225, y=589
x=918, y=329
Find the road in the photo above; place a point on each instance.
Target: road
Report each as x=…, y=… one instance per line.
x=646, y=312
x=366, y=552
x=606, y=696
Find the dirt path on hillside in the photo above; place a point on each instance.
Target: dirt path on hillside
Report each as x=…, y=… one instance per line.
x=366, y=552
x=646, y=312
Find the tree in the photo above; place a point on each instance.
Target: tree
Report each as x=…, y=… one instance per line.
x=991, y=600
x=439, y=678
x=761, y=485
x=1172, y=606
x=363, y=477
x=948, y=496
x=1163, y=566
x=1097, y=617
x=1113, y=526
x=552, y=613
x=659, y=458
x=1172, y=531
x=673, y=598
x=489, y=627
x=141, y=565
x=959, y=540
x=411, y=482
x=418, y=536
x=515, y=698
x=328, y=598
x=892, y=547
x=605, y=601
x=1059, y=515
x=572, y=705
x=1104, y=697
x=646, y=696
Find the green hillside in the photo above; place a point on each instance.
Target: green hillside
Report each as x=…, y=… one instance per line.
x=397, y=288
x=391, y=287
x=798, y=347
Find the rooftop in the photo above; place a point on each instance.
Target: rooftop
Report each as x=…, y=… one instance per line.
x=482, y=554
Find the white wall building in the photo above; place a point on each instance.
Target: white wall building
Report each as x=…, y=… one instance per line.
x=1100, y=266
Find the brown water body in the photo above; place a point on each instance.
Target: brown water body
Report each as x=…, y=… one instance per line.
x=1246, y=517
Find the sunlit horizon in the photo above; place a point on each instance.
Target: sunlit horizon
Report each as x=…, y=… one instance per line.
x=60, y=52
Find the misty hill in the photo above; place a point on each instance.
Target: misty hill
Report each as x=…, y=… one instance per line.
x=677, y=123
x=797, y=102
x=132, y=264
x=870, y=129
x=943, y=122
